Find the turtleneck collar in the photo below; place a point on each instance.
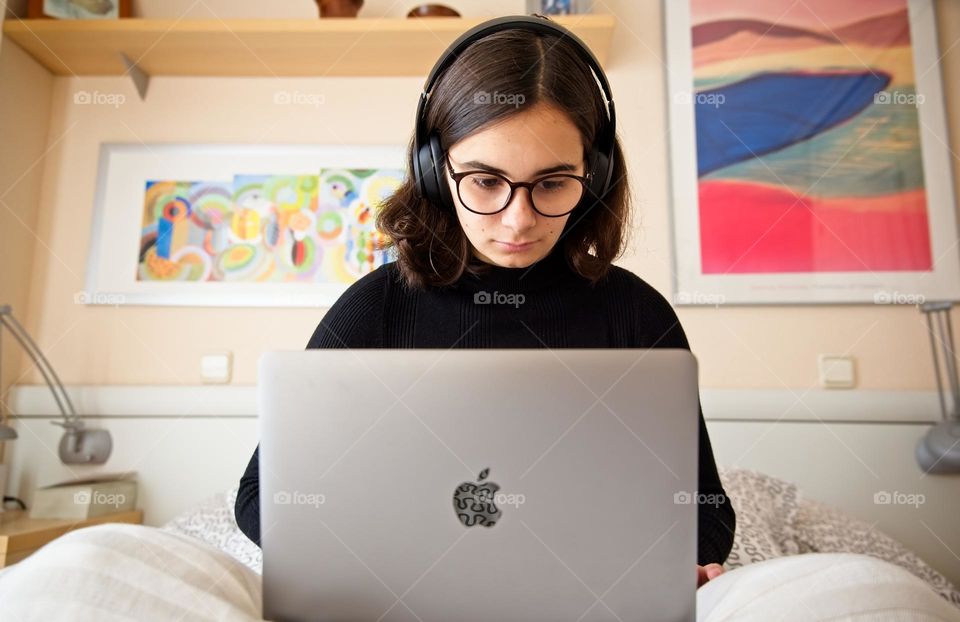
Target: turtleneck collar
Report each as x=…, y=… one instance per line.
x=546, y=272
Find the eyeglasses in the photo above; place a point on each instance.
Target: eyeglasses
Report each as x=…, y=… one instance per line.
x=484, y=192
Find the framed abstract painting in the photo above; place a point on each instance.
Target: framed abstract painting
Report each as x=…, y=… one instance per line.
x=237, y=225
x=809, y=153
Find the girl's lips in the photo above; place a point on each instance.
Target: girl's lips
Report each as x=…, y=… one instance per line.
x=516, y=247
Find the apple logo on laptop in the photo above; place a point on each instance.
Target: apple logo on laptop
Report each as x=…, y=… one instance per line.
x=474, y=502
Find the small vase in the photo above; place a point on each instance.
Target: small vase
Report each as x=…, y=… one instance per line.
x=339, y=8
x=432, y=10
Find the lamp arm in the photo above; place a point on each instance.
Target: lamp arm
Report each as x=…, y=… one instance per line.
x=49, y=375
x=78, y=445
x=936, y=365
x=951, y=359
x=937, y=451
x=940, y=328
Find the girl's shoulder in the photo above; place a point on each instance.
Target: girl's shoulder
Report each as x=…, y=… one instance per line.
x=373, y=285
x=623, y=282
x=653, y=318
x=355, y=318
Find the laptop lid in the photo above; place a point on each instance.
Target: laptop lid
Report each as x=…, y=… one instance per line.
x=466, y=485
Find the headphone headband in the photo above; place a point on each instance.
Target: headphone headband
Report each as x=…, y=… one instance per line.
x=534, y=23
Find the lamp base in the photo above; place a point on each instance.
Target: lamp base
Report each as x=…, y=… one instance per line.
x=939, y=450
x=85, y=446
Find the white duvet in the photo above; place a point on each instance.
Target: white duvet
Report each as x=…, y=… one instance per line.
x=115, y=572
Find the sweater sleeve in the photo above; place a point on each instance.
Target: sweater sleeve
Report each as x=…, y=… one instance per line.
x=354, y=321
x=716, y=519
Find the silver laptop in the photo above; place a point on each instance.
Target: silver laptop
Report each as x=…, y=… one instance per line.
x=463, y=485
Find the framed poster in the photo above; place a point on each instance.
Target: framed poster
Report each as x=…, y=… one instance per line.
x=809, y=153
x=237, y=225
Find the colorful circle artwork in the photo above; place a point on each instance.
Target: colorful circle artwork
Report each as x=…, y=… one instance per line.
x=243, y=262
x=329, y=225
x=303, y=258
x=176, y=209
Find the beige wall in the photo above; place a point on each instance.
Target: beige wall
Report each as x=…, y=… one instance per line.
x=737, y=347
x=24, y=117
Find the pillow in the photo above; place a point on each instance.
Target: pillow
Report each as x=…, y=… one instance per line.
x=822, y=528
x=213, y=522
x=775, y=520
x=766, y=510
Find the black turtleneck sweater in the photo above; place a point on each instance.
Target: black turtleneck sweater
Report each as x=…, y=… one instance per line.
x=560, y=310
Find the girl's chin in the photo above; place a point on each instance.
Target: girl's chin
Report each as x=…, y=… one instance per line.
x=516, y=259
x=502, y=255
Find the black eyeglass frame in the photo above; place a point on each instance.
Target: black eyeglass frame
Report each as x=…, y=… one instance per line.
x=529, y=185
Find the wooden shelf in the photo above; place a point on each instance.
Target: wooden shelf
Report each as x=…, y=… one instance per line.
x=260, y=47
x=21, y=535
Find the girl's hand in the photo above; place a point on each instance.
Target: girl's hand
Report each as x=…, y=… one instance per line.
x=710, y=571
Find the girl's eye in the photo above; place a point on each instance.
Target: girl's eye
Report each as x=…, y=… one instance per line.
x=485, y=182
x=554, y=185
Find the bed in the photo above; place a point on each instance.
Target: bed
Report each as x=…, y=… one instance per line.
x=180, y=571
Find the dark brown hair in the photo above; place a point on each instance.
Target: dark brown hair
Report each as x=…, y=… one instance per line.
x=432, y=248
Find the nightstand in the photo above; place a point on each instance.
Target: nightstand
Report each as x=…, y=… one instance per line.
x=21, y=535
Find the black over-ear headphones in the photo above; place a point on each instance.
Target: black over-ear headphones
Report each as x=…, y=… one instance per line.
x=429, y=168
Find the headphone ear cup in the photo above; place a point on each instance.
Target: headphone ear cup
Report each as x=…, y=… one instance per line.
x=599, y=165
x=601, y=180
x=432, y=175
x=439, y=160
x=426, y=181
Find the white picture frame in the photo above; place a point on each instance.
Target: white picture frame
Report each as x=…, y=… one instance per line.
x=692, y=287
x=124, y=169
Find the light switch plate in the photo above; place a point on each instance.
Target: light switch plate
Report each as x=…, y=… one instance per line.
x=216, y=367
x=836, y=371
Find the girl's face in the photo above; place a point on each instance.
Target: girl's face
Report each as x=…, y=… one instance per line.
x=524, y=146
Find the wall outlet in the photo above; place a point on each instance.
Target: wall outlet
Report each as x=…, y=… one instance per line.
x=836, y=371
x=216, y=367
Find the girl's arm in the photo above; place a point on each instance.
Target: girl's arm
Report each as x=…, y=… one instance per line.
x=659, y=327
x=354, y=321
